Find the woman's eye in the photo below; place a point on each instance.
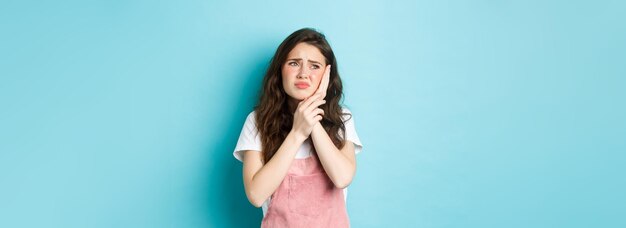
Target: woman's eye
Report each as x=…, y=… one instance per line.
x=315, y=67
x=293, y=64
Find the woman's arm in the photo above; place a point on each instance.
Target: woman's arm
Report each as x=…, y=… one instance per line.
x=340, y=165
x=260, y=181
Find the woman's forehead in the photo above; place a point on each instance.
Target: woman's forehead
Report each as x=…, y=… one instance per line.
x=306, y=51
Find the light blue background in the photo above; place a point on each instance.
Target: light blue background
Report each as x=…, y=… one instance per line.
x=472, y=113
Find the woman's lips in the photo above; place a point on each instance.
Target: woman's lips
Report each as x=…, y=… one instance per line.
x=302, y=85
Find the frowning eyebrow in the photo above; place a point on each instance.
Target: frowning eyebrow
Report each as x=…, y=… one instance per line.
x=299, y=59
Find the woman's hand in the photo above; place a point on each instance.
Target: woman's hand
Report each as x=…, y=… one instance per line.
x=307, y=115
x=324, y=83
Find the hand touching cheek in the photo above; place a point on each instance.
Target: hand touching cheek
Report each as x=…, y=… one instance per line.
x=307, y=115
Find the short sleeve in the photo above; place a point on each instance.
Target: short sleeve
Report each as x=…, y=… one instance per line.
x=249, y=139
x=351, y=134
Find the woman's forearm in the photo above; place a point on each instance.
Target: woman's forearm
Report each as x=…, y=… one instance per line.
x=269, y=177
x=339, y=167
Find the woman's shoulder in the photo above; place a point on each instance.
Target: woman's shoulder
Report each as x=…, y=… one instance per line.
x=251, y=114
x=345, y=110
x=346, y=114
x=251, y=118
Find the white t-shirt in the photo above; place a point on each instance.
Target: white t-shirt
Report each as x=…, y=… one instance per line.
x=249, y=139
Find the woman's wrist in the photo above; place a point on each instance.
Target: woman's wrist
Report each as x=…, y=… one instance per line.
x=297, y=136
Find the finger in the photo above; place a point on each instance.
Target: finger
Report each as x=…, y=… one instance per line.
x=328, y=71
x=318, y=118
x=324, y=83
x=307, y=102
x=314, y=105
x=315, y=96
x=316, y=112
x=320, y=87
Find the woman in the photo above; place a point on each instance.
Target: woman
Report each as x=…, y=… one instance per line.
x=296, y=163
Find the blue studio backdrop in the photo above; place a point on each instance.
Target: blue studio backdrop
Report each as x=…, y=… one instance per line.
x=472, y=113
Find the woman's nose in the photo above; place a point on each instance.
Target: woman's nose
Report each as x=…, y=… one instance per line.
x=304, y=73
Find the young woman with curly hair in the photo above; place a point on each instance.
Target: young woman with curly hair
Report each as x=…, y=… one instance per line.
x=298, y=146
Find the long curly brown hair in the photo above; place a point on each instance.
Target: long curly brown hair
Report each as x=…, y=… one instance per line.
x=273, y=116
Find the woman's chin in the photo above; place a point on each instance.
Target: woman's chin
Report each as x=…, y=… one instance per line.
x=301, y=96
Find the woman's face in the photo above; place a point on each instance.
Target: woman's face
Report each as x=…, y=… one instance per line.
x=303, y=71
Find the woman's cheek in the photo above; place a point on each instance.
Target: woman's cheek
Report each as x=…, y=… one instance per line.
x=316, y=79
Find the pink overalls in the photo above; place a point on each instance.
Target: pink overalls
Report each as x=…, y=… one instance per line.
x=306, y=198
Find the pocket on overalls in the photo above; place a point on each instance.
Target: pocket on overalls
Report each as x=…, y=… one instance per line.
x=310, y=194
